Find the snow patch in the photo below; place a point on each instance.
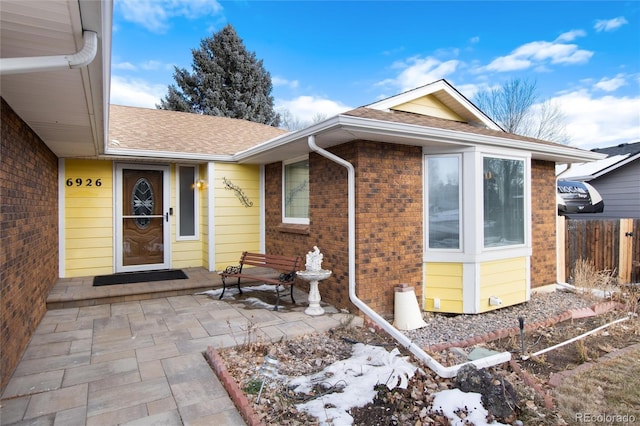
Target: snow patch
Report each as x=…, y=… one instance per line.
x=355, y=380
x=452, y=401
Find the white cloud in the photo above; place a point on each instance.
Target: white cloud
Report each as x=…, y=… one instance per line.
x=127, y=66
x=150, y=65
x=600, y=122
x=283, y=82
x=154, y=15
x=539, y=53
x=416, y=72
x=307, y=108
x=611, y=84
x=570, y=35
x=508, y=63
x=136, y=92
x=610, y=24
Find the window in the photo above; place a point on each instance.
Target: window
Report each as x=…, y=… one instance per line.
x=443, y=175
x=295, y=191
x=504, y=208
x=187, y=202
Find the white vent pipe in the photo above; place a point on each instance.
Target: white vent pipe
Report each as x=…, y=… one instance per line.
x=439, y=369
x=80, y=59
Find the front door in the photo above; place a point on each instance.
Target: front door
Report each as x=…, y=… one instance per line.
x=142, y=218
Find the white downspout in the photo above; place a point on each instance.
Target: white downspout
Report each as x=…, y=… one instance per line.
x=439, y=369
x=79, y=59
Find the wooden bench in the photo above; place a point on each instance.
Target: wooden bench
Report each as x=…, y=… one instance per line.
x=286, y=266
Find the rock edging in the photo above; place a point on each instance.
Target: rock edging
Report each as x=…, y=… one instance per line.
x=596, y=309
x=235, y=393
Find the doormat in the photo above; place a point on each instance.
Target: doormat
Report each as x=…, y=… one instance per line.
x=139, y=277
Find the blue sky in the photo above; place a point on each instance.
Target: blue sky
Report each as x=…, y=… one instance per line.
x=328, y=57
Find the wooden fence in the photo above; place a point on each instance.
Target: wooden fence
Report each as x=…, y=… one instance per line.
x=611, y=244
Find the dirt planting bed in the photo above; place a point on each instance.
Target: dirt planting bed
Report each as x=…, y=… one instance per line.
x=536, y=380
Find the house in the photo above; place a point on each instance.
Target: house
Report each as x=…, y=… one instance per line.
x=420, y=188
x=615, y=178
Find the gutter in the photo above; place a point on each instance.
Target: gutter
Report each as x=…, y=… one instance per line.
x=414, y=135
x=439, y=369
x=80, y=59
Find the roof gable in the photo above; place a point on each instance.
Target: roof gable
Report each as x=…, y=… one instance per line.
x=438, y=99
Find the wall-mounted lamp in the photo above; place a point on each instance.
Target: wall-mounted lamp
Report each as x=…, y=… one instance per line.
x=201, y=184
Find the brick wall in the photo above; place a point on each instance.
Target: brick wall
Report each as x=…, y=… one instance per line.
x=543, y=222
x=388, y=221
x=29, y=235
x=327, y=225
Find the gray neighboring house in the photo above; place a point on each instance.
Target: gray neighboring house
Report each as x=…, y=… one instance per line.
x=616, y=178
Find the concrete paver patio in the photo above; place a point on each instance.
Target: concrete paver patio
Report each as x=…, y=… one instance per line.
x=140, y=362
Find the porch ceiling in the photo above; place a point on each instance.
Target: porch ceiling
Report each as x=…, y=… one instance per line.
x=66, y=108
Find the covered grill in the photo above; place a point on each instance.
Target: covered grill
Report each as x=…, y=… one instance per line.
x=578, y=197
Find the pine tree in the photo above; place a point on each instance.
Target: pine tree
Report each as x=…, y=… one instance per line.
x=227, y=80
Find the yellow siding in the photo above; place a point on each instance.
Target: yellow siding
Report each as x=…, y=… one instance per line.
x=88, y=217
x=505, y=279
x=237, y=226
x=429, y=105
x=184, y=253
x=443, y=281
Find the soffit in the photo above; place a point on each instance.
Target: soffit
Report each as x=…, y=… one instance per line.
x=65, y=108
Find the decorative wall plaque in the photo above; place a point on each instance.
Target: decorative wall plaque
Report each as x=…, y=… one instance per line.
x=238, y=191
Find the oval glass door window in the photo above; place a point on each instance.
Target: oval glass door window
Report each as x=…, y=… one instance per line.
x=142, y=202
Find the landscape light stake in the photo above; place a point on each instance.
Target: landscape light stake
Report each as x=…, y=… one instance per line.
x=521, y=323
x=269, y=370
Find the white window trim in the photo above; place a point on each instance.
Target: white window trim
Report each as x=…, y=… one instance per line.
x=291, y=220
x=196, y=206
x=526, y=244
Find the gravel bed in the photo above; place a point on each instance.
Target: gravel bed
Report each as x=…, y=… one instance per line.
x=446, y=328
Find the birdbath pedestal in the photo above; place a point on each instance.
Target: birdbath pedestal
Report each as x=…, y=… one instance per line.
x=314, y=277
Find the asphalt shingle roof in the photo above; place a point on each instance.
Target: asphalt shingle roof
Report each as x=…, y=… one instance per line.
x=440, y=123
x=170, y=131
x=622, y=149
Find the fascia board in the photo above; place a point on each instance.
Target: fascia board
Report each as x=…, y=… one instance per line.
x=408, y=96
x=107, y=34
x=282, y=140
x=163, y=155
x=457, y=137
x=418, y=133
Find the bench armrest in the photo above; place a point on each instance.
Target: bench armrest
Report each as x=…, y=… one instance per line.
x=287, y=277
x=233, y=269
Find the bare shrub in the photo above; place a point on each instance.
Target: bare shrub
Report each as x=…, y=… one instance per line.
x=589, y=281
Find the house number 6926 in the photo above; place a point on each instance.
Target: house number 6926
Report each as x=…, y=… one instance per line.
x=84, y=182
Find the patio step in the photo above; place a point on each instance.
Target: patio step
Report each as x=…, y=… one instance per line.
x=79, y=292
